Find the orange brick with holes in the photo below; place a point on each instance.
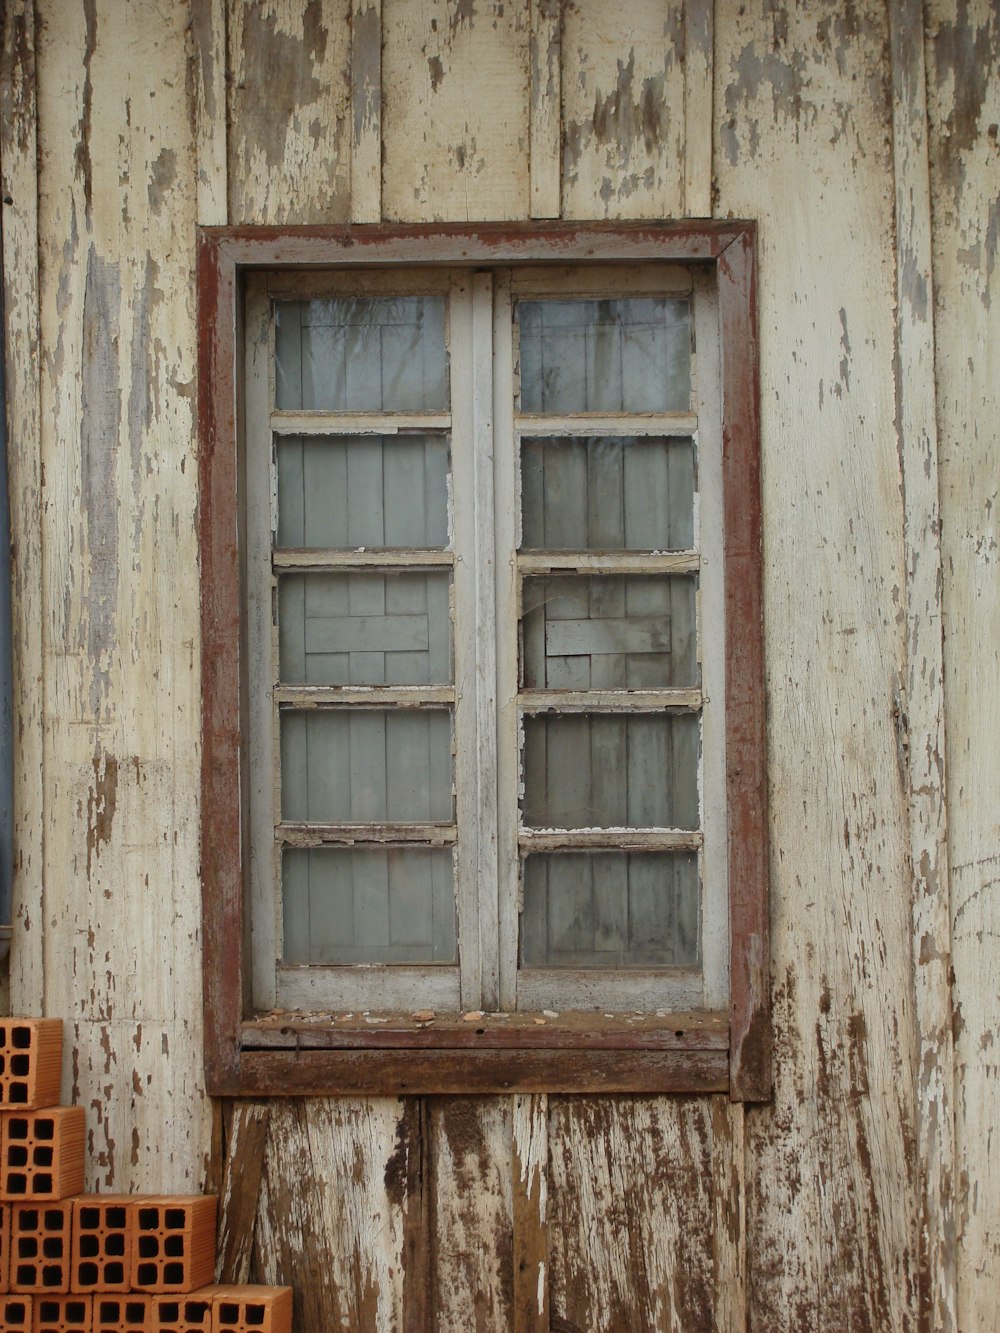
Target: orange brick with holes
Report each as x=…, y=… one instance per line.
x=186, y=1313
x=40, y=1246
x=30, y=1062
x=42, y=1153
x=4, y=1247
x=173, y=1243
x=252, y=1310
x=16, y=1313
x=102, y=1242
x=62, y=1314
x=121, y=1312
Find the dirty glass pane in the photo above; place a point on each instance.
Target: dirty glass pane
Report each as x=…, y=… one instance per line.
x=607, y=494
x=604, y=770
x=604, y=632
x=362, y=354
x=366, y=765
x=631, y=354
x=364, y=629
x=610, y=909
x=346, y=491
x=368, y=905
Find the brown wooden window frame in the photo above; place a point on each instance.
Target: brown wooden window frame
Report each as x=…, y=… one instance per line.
x=303, y=1055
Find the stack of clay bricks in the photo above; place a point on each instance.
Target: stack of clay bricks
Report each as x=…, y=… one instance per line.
x=99, y=1263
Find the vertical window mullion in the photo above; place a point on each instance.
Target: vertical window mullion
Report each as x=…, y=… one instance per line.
x=259, y=769
x=475, y=663
x=711, y=630
x=506, y=478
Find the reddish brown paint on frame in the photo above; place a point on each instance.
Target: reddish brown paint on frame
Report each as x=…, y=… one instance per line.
x=730, y=247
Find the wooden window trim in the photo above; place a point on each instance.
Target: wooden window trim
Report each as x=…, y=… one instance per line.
x=701, y=1052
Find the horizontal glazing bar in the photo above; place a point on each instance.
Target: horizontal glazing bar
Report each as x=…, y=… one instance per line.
x=651, y=840
x=359, y=423
x=344, y=696
x=590, y=562
x=608, y=701
x=347, y=835
x=607, y=423
x=299, y=561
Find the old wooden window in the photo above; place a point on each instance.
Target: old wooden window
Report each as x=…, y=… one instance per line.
x=490, y=765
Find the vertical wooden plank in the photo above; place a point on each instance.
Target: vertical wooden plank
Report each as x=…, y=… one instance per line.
x=729, y=1200
x=366, y=110
x=530, y=1213
x=240, y=1192
x=289, y=111
x=699, y=53
x=922, y=724
x=19, y=189
x=545, y=132
x=963, y=63
x=455, y=115
x=333, y=1207
x=833, y=1211
x=472, y=1213
x=623, y=96
x=208, y=35
x=630, y=1213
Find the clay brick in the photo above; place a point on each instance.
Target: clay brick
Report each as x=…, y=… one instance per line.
x=173, y=1243
x=16, y=1314
x=40, y=1246
x=187, y=1313
x=30, y=1062
x=62, y=1314
x=121, y=1313
x=252, y=1310
x=102, y=1242
x=4, y=1247
x=42, y=1153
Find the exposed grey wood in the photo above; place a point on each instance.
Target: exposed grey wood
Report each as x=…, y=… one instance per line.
x=699, y=55
x=924, y=706
x=546, y=108
x=22, y=373
x=366, y=110
x=208, y=32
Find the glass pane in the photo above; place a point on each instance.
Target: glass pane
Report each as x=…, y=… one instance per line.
x=363, y=490
x=605, y=632
x=597, y=494
x=362, y=354
x=611, y=771
x=366, y=765
x=368, y=905
x=625, y=355
x=610, y=909
x=364, y=629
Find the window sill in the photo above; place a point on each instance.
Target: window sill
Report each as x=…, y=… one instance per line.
x=393, y=1054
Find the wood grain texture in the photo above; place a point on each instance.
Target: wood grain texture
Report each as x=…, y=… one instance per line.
x=546, y=108
x=366, y=111
x=963, y=42
x=630, y=1212
x=623, y=100
x=332, y=1209
x=239, y=1194
x=19, y=187
x=833, y=1211
x=149, y=1122
x=471, y=1145
x=289, y=111
x=530, y=1170
x=117, y=201
x=923, y=720
x=208, y=53
x=455, y=82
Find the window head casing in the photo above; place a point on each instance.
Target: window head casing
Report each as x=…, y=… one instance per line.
x=487, y=734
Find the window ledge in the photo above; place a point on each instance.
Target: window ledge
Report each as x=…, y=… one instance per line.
x=401, y=1053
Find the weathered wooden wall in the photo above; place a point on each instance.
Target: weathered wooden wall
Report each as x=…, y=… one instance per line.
x=863, y=136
